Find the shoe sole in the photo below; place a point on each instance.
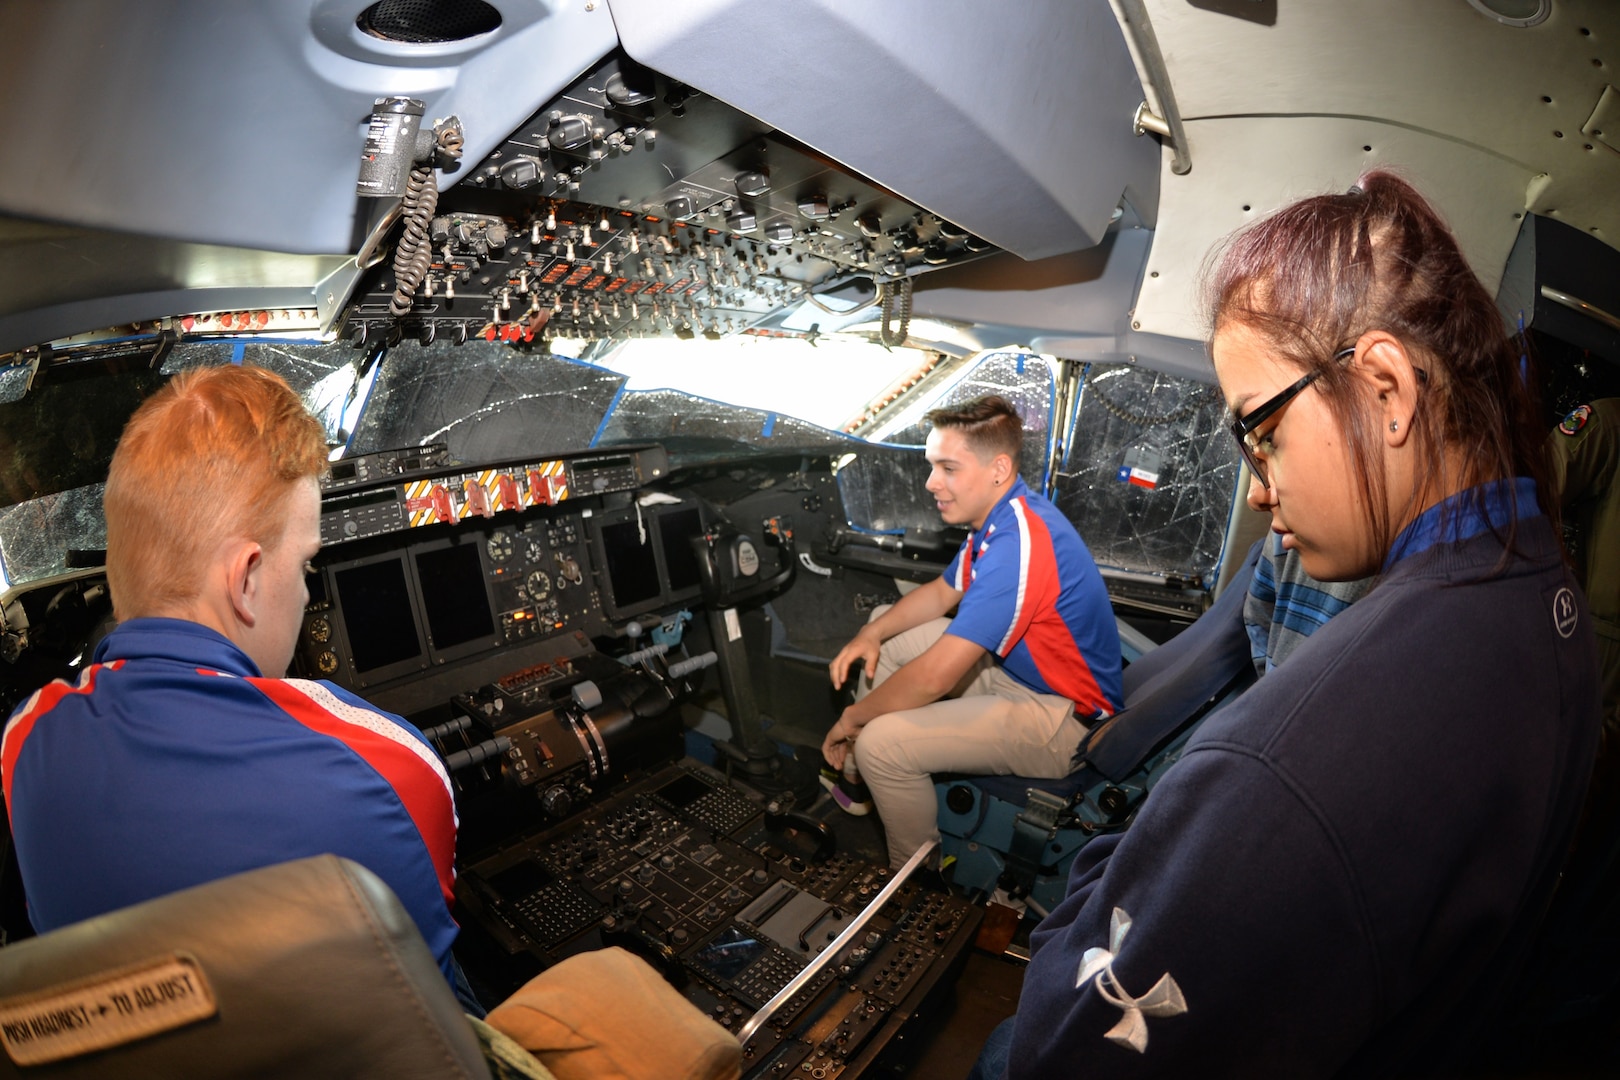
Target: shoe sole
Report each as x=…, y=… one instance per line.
x=848, y=805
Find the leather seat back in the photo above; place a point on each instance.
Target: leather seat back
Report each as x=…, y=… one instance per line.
x=310, y=968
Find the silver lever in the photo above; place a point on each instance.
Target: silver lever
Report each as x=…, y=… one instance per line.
x=799, y=981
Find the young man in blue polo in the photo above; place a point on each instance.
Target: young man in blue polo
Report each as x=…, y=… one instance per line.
x=1010, y=683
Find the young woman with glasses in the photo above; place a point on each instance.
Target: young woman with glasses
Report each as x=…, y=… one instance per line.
x=1344, y=872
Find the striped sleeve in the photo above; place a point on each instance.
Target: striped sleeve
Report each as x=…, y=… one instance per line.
x=402, y=759
x=23, y=720
x=1033, y=573
x=1009, y=585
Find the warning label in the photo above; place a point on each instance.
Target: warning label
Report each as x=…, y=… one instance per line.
x=133, y=1003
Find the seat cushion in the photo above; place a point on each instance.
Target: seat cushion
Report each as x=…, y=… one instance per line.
x=607, y=1015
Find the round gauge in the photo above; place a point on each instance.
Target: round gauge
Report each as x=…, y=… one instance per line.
x=320, y=631
x=327, y=662
x=538, y=584
x=500, y=546
x=535, y=548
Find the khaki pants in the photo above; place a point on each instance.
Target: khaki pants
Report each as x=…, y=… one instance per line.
x=990, y=724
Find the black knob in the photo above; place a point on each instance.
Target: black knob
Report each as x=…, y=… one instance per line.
x=1112, y=800
x=556, y=801
x=521, y=172
x=569, y=132
x=959, y=799
x=680, y=206
x=636, y=90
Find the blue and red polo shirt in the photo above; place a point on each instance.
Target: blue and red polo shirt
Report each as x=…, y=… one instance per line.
x=172, y=762
x=1032, y=596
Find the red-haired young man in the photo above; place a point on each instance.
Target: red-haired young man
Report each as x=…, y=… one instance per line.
x=182, y=755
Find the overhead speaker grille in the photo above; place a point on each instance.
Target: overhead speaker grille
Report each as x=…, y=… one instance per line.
x=428, y=22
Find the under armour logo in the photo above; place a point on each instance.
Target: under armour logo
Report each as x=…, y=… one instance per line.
x=1163, y=1000
x=1565, y=613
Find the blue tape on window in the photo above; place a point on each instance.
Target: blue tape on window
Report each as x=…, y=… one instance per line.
x=770, y=426
x=238, y=351
x=619, y=393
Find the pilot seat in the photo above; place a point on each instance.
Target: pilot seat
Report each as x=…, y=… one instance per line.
x=1021, y=834
x=312, y=968
x=309, y=968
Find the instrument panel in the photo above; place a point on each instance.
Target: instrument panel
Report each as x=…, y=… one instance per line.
x=692, y=875
x=537, y=550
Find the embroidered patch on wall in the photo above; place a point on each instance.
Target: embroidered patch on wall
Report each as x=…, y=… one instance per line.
x=1163, y=999
x=1577, y=418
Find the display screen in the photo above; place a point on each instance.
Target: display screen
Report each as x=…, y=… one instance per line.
x=377, y=611
x=631, y=569
x=521, y=880
x=727, y=955
x=683, y=792
x=453, y=595
x=676, y=531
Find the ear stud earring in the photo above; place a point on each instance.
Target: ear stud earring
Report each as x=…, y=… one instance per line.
x=1394, y=424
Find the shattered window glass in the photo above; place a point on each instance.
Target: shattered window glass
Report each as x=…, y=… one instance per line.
x=14, y=382
x=36, y=536
x=485, y=400
x=61, y=435
x=57, y=440
x=1023, y=379
x=323, y=374
x=695, y=430
x=883, y=490
x=1149, y=475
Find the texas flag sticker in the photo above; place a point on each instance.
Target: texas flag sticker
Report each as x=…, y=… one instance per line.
x=1141, y=468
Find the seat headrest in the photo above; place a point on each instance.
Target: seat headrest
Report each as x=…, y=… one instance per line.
x=310, y=968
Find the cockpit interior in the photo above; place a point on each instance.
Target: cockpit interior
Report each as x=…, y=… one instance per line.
x=622, y=320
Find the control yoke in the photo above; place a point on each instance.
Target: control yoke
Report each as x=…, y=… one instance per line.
x=729, y=576
x=729, y=565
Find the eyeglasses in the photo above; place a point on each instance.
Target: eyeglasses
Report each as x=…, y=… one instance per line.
x=1243, y=428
